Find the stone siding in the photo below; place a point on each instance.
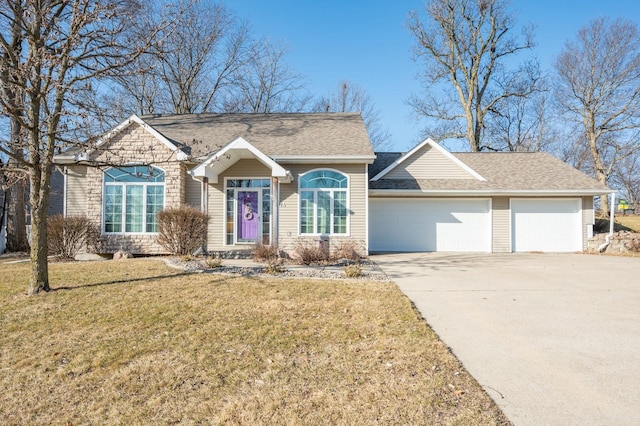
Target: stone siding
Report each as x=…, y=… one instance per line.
x=134, y=145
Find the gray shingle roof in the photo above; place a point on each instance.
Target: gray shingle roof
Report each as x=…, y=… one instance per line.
x=276, y=135
x=383, y=160
x=503, y=171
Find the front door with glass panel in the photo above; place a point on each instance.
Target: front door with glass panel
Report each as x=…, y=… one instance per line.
x=248, y=211
x=248, y=216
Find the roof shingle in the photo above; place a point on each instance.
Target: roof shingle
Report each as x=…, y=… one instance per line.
x=276, y=135
x=503, y=171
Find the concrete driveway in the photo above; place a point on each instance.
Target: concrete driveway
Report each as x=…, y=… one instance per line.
x=553, y=338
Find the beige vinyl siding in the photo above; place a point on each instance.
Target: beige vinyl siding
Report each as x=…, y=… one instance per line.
x=501, y=226
x=428, y=163
x=76, y=191
x=357, y=200
x=246, y=169
x=193, y=192
x=215, y=231
x=289, y=226
x=587, y=219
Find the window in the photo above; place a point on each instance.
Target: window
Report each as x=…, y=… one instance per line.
x=323, y=202
x=133, y=196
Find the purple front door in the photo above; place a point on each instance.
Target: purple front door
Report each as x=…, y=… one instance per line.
x=248, y=220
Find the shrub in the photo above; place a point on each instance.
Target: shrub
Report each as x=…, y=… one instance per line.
x=274, y=266
x=67, y=235
x=353, y=271
x=309, y=253
x=182, y=230
x=213, y=262
x=347, y=249
x=264, y=252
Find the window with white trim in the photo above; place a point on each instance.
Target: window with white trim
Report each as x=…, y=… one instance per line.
x=133, y=196
x=323, y=202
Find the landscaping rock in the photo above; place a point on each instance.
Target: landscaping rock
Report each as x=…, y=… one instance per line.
x=121, y=255
x=335, y=271
x=620, y=242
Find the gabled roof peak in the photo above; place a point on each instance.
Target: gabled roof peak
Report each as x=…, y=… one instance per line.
x=432, y=144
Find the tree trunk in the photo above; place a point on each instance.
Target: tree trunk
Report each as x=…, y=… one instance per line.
x=601, y=174
x=39, y=200
x=472, y=131
x=39, y=264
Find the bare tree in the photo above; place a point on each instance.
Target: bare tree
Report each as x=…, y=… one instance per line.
x=522, y=124
x=465, y=44
x=138, y=89
x=14, y=181
x=193, y=66
x=350, y=97
x=627, y=177
x=68, y=45
x=598, y=86
x=264, y=83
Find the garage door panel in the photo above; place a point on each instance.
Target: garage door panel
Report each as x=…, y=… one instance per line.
x=429, y=225
x=548, y=225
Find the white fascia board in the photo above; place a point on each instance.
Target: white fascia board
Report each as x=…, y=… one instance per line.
x=435, y=146
x=332, y=159
x=200, y=174
x=485, y=193
x=204, y=168
x=65, y=159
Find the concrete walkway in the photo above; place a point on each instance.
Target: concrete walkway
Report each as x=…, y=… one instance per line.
x=554, y=339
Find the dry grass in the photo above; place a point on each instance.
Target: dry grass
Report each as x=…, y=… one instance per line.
x=630, y=222
x=133, y=342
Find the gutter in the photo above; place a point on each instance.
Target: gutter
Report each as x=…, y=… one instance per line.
x=607, y=239
x=485, y=192
x=323, y=159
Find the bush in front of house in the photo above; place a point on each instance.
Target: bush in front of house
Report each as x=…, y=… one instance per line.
x=182, y=230
x=310, y=252
x=213, y=262
x=67, y=235
x=353, y=271
x=265, y=252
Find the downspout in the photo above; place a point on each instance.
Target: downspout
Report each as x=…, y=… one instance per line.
x=275, y=214
x=65, y=171
x=607, y=239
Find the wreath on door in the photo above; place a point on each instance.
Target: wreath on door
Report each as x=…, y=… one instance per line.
x=248, y=211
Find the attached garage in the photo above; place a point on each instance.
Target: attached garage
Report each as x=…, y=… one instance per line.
x=429, y=199
x=546, y=225
x=419, y=224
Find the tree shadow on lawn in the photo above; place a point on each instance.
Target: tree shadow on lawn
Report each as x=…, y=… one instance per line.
x=122, y=281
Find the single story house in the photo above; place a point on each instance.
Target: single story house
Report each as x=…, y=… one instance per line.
x=297, y=179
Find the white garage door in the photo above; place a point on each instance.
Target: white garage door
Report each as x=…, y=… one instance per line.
x=551, y=225
x=429, y=225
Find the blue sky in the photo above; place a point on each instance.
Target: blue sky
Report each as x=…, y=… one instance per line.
x=367, y=42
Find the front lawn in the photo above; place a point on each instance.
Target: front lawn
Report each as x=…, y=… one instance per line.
x=631, y=222
x=133, y=342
